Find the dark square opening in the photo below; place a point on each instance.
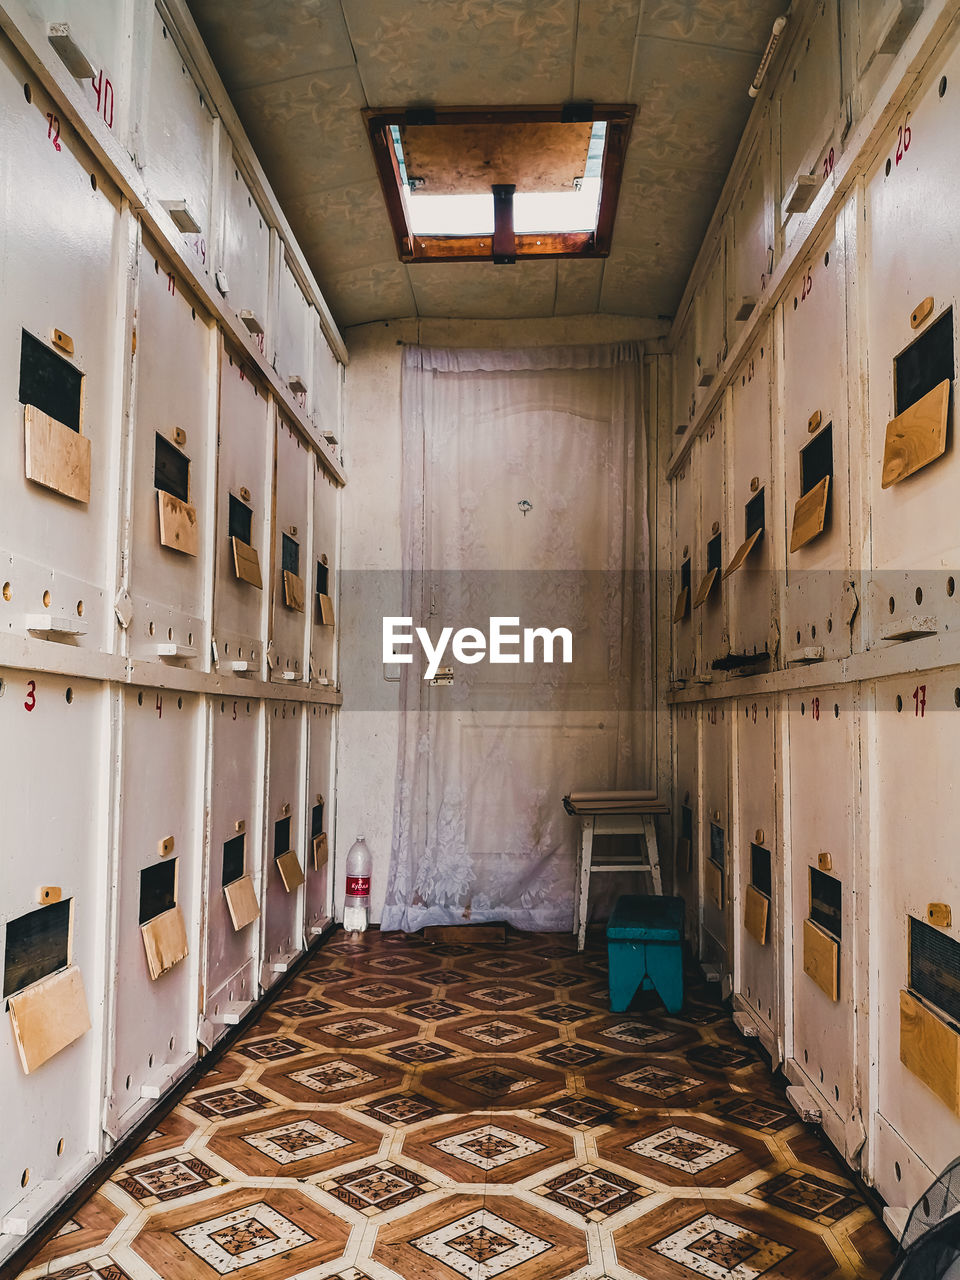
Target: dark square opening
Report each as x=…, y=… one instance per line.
x=281, y=836
x=825, y=902
x=761, y=875
x=686, y=822
x=290, y=556
x=37, y=944
x=158, y=889
x=316, y=820
x=755, y=513
x=171, y=469
x=717, y=840
x=240, y=521
x=935, y=967
x=715, y=553
x=233, y=859
x=48, y=382
x=323, y=579
x=925, y=363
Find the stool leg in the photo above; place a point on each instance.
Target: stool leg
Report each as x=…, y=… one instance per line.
x=665, y=967
x=582, y=888
x=623, y=987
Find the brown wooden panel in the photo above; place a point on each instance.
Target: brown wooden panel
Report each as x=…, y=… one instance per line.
x=164, y=941
x=246, y=563
x=809, y=515
x=756, y=914
x=321, y=851
x=680, y=609
x=930, y=1048
x=917, y=436
x=742, y=552
x=705, y=587
x=460, y=159
x=178, y=524
x=326, y=610
x=241, y=902
x=291, y=873
x=48, y=1016
x=293, y=595
x=56, y=457
x=821, y=959
x=714, y=877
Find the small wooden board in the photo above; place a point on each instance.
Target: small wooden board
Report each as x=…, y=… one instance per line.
x=326, y=610
x=291, y=873
x=466, y=933
x=809, y=515
x=56, y=457
x=454, y=159
x=917, y=436
x=821, y=959
x=680, y=609
x=756, y=914
x=714, y=877
x=930, y=1048
x=705, y=587
x=241, y=902
x=178, y=524
x=320, y=851
x=246, y=563
x=47, y=1016
x=164, y=941
x=742, y=552
x=293, y=596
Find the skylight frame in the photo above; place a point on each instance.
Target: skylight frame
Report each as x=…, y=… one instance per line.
x=479, y=248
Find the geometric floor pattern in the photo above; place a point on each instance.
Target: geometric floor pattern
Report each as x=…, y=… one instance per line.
x=408, y=1111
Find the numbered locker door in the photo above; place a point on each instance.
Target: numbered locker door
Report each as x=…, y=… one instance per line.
x=53, y=933
x=281, y=902
x=318, y=848
x=750, y=571
x=711, y=348
x=59, y=332
x=233, y=871
x=294, y=361
x=293, y=584
x=758, y=906
x=684, y=375
x=245, y=252
x=102, y=33
x=686, y=561
x=820, y=602
x=716, y=854
x=912, y=266
x=158, y=909
x=170, y=563
x=710, y=591
x=178, y=167
x=751, y=235
x=810, y=108
x=325, y=603
x=243, y=527
x=916, y=921
x=688, y=818
x=828, y=906
x=327, y=387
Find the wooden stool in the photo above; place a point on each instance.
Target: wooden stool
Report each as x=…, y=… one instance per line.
x=645, y=950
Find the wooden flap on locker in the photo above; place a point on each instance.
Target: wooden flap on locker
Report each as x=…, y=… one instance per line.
x=293, y=593
x=164, y=941
x=56, y=456
x=930, y=1048
x=821, y=959
x=755, y=521
x=809, y=515
x=291, y=873
x=916, y=437
x=325, y=604
x=242, y=902
x=756, y=914
x=321, y=851
x=47, y=1016
x=246, y=562
x=56, y=453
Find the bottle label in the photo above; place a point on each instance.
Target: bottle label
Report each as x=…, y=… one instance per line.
x=358, y=886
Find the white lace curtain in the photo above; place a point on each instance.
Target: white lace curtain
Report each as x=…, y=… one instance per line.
x=524, y=495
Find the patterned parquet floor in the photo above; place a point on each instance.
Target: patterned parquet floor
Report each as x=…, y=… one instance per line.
x=469, y=1113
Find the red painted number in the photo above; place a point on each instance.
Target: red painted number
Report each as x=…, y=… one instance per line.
x=920, y=700
x=171, y=283
x=807, y=286
x=53, y=130
x=31, y=701
x=103, y=88
x=828, y=162
x=159, y=707
x=815, y=708
x=754, y=713
x=234, y=711
x=904, y=138
x=201, y=247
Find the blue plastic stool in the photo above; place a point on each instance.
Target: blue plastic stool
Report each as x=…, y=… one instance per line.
x=645, y=950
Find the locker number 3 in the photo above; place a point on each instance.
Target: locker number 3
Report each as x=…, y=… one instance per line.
x=31, y=699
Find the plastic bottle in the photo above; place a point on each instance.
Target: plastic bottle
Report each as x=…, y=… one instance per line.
x=356, y=903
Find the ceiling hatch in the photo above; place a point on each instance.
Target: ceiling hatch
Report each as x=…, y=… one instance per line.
x=501, y=184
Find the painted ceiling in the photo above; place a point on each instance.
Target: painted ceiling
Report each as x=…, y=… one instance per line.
x=300, y=72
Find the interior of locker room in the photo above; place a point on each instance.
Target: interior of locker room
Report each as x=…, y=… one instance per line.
x=251, y=414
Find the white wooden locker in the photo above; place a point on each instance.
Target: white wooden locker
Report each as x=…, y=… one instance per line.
x=294, y=354
x=820, y=602
x=716, y=849
x=912, y=286
x=684, y=375
x=323, y=582
x=752, y=586
x=54, y=733
x=292, y=586
x=687, y=559
x=154, y=1034
x=711, y=347
x=327, y=387
x=60, y=331
x=282, y=897
x=100, y=33
x=827, y=941
x=179, y=145
x=915, y=737
x=750, y=235
x=758, y=907
x=244, y=252
x=233, y=873
x=710, y=591
x=320, y=817
x=244, y=494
